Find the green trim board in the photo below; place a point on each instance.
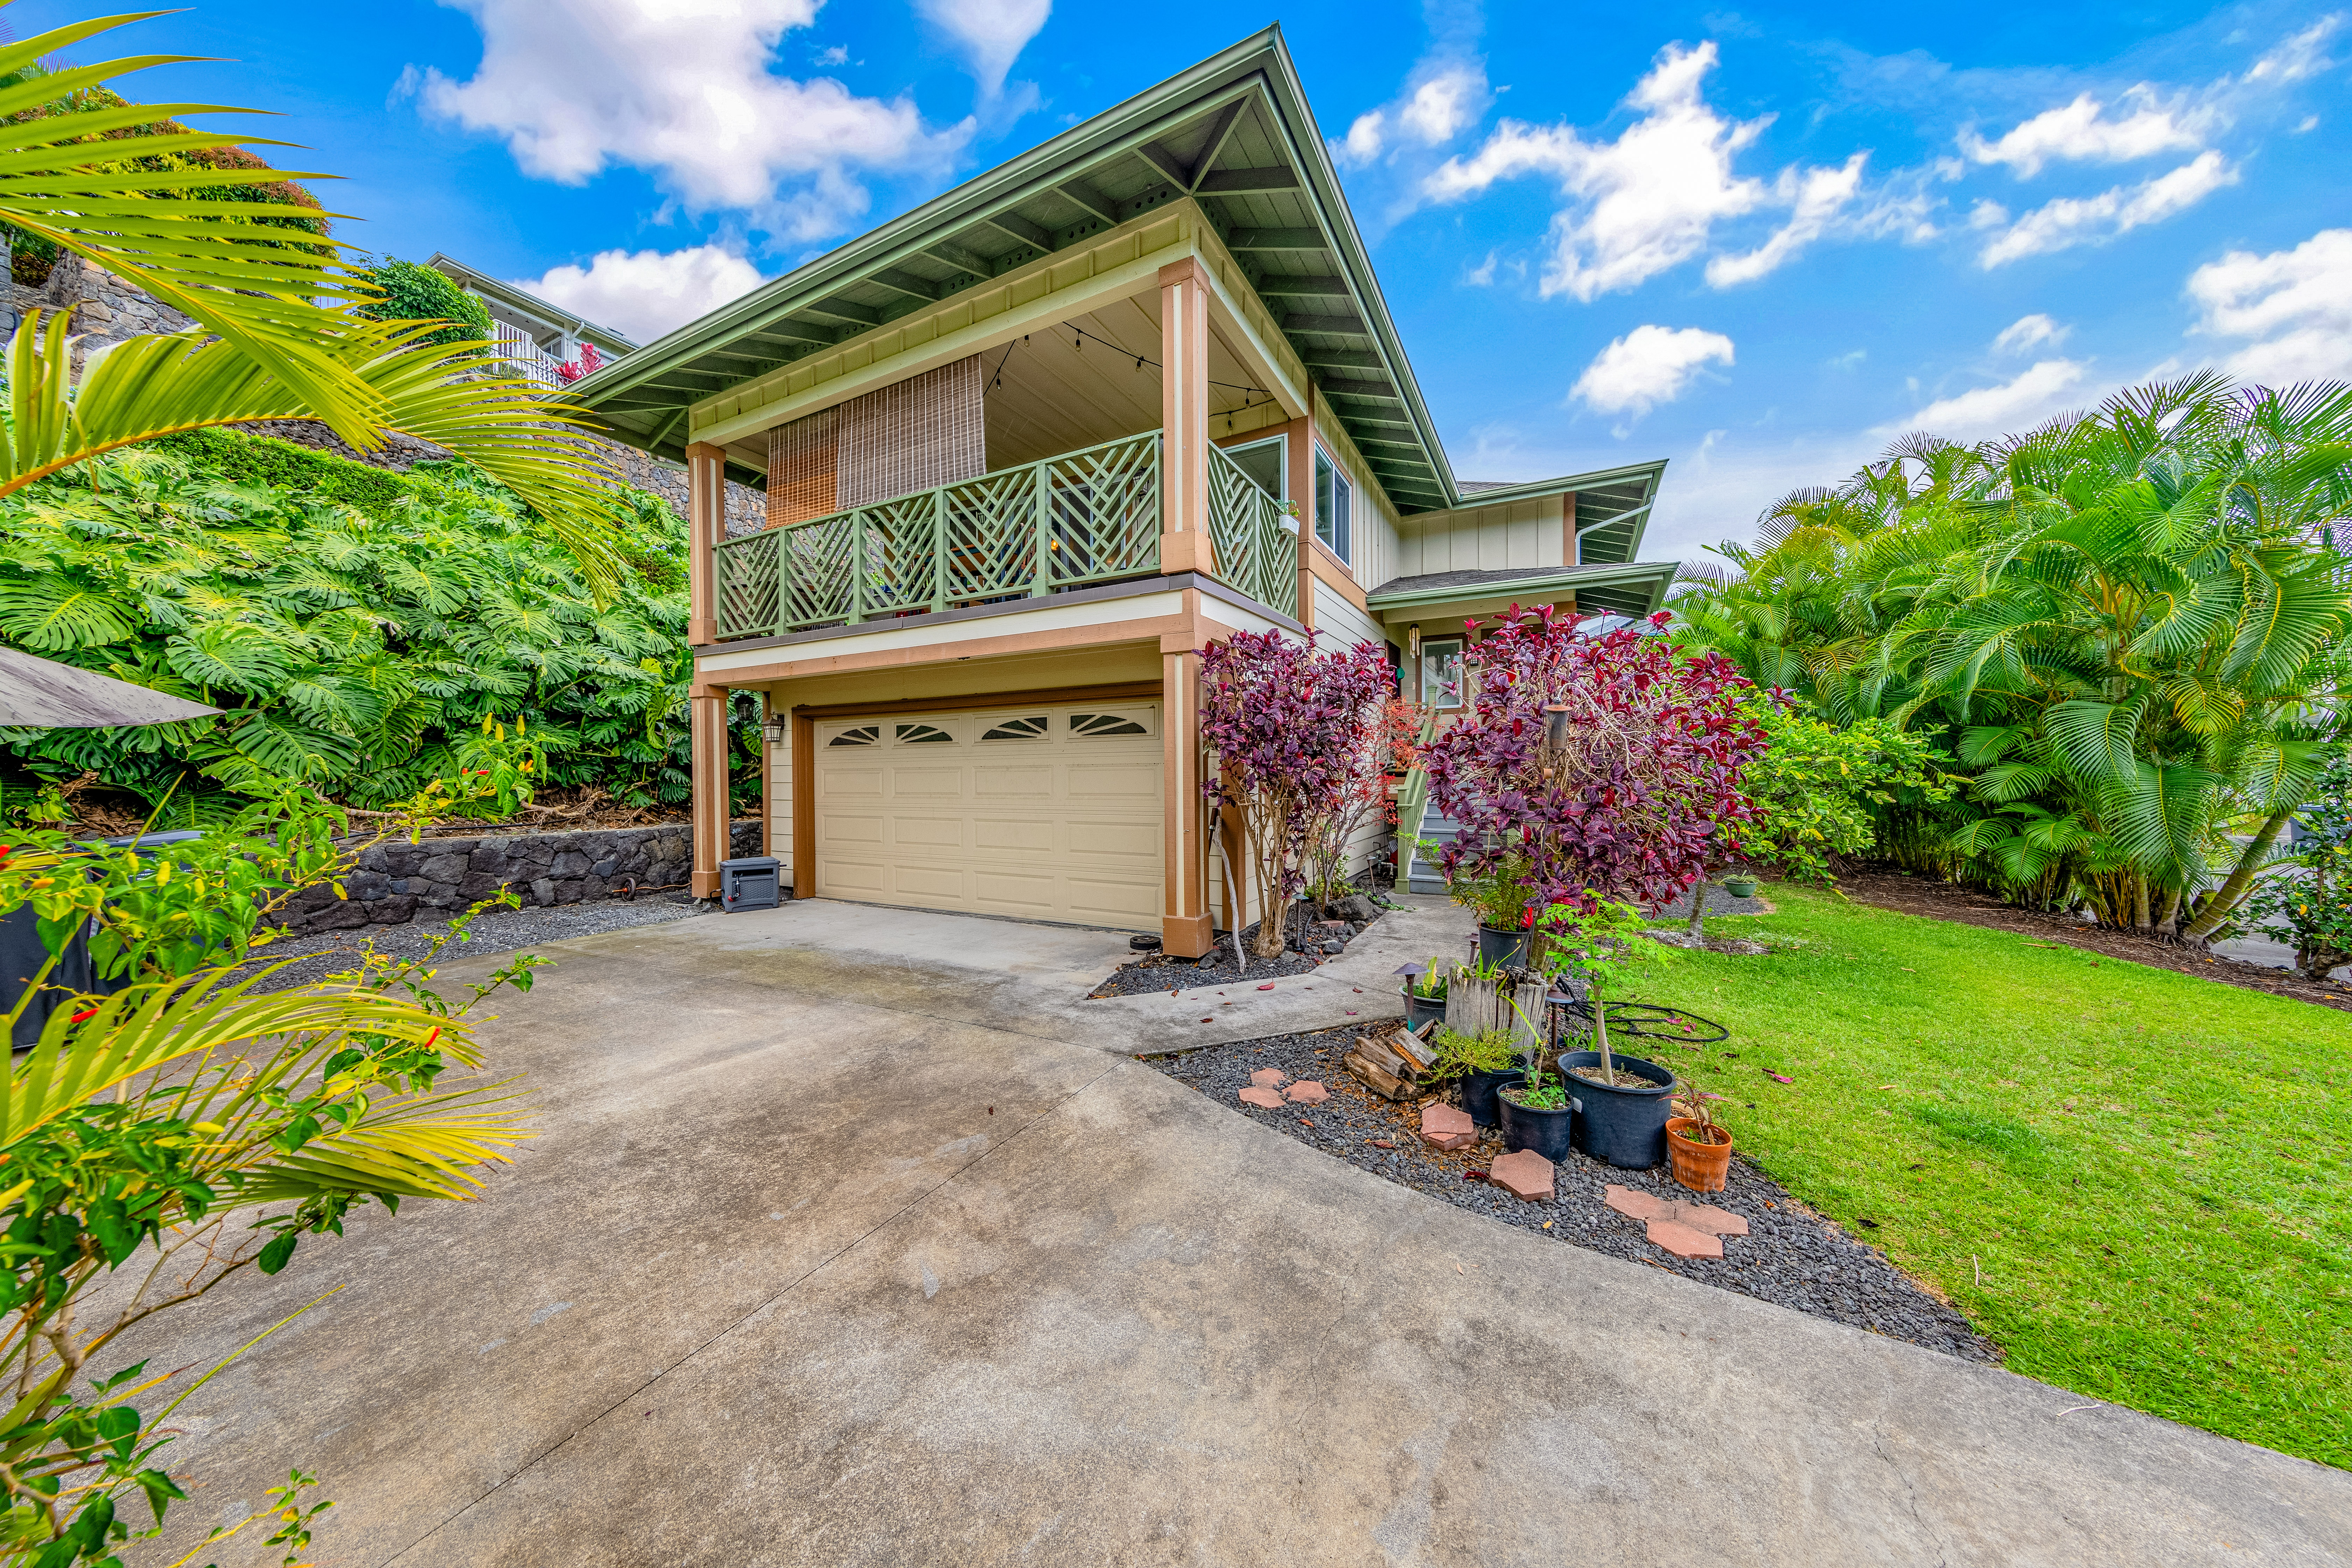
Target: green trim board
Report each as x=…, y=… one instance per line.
x=1635, y=588
x=1234, y=133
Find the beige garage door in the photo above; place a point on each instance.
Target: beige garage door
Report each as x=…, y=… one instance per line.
x=1049, y=812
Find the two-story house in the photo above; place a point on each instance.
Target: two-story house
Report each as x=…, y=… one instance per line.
x=1029, y=448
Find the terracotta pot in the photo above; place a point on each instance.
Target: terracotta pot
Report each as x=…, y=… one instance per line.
x=1700, y=1167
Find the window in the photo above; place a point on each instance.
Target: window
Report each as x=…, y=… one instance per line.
x=864, y=735
x=1440, y=672
x=1266, y=462
x=1015, y=729
x=921, y=734
x=1333, y=495
x=1105, y=724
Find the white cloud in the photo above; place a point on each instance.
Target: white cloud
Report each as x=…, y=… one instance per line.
x=1445, y=105
x=992, y=33
x=2071, y=221
x=687, y=94
x=836, y=56
x=1644, y=202
x=2297, y=304
x=646, y=294
x=1816, y=198
x=1480, y=276
x=2299, y=56
x=1647, y=366
x=2010, y=408
x=2027, y=331
x=2085, y=132
x=1363, y=140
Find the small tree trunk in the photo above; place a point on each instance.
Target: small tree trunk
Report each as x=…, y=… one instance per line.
x=2241, y=880
x=1697, y=927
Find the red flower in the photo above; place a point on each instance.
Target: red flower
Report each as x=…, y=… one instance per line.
x=85, y=1013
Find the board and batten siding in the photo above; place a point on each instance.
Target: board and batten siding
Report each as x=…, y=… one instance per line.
x=1342, y=625
x=779, y=805
x=1373, y=520
x=1523, y=533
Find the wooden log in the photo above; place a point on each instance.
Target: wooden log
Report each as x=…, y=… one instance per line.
x=1414, y=1049
x=1382, y=1083
x=1378, y=1053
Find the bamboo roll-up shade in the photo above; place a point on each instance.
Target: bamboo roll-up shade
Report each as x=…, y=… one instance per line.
x=800, y=468
x=914, y=434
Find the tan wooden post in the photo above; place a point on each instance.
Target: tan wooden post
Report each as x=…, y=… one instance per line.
x=1569, y=550
x=1186, y=929
x=706, y=525
x=706, y=719
x=1300, y=483
x=1184, y=544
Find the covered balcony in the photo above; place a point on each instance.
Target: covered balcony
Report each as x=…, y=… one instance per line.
x=1067, y=457
x=1071, y=520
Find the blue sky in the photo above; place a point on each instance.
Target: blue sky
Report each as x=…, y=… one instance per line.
x=1760, y=242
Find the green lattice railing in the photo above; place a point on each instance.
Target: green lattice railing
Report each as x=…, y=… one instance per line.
x=1090, y=516
x=1256, y=551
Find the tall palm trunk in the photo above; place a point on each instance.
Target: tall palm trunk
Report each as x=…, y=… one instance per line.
x=2240, y=880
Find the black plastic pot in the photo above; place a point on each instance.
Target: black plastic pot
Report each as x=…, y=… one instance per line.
x=1545, y=1131
x=1479, y=1092
x=1511, y=949
x=1420, y=1010
x=1624, y=1127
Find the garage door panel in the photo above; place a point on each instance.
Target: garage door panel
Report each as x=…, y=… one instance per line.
x=1058, y=818
x=852, y=831
x=1027, y=835
x=928, y=833
x=1000, y=782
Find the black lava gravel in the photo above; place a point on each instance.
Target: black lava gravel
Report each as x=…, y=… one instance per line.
x=1160, y=972
x=493, y=931
x=1791, y=1256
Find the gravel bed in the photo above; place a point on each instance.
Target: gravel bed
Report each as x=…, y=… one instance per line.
x=494, y=932
x=1791, y=1256
x=1162, y=972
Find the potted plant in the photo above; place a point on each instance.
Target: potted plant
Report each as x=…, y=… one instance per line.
x=1424, y=996
x=1625, y=1101
x=1698, y=1148
x=1739, y=885
x=1483, y=1063
x=1498, y=896
x=1537, y=1111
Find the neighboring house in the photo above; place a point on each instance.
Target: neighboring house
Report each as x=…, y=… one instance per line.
x=537, y=335
x=1029, y=448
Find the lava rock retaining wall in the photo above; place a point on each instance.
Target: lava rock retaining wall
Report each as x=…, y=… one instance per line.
x=397, y=881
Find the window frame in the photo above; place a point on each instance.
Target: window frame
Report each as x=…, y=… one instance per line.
x=1281, y=439
x=1334, y=523
x=1436, y=647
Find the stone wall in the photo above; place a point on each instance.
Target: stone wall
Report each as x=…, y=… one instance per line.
x=107, y=311
x=398, y=882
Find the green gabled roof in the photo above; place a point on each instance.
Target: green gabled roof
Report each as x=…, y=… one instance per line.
x=1612, y=506
x=1234, y=132
x=1634, y=588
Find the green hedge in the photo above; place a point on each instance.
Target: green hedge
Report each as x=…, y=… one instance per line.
x=249, y=459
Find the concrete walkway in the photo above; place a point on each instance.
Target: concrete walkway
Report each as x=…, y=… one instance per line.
x=827, y=1256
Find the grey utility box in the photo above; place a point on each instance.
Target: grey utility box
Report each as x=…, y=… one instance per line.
x=754, y=882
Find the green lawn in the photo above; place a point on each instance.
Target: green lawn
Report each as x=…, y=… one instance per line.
x=2132, y=1180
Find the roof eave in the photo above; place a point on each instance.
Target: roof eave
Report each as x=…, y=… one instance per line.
x=1539, y=581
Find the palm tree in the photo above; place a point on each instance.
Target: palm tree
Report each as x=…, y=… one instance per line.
x=2132, y=621
x=276, y=337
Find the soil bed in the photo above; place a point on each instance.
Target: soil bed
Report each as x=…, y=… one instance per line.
x=1161, y=971
x=1791, y=1256
x=1892, y=890
x=493, y=931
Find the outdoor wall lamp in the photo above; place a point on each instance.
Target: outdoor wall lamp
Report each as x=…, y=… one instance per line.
x=772, y=727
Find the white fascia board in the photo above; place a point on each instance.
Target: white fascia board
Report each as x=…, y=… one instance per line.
x=1048, y=617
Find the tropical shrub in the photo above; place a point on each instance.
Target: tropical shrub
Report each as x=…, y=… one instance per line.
x=405, y=291
x=359, y=627
x=1291, y=731
x=1383, y=740
x=2131, y=623
x=2307, y=903
x=1592, y=768
x=1816, y=786
x=186, y=1125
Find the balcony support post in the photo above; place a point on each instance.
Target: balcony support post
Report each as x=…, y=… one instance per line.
x=707, y=723
x=706, y=525
x=939, y=549
x=1185, y=543
x=1042, y=508
x=1186, y=927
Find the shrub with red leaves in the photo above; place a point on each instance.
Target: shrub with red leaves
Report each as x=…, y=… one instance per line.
x=1293, y=731
x=1641, y=791
x=571, y=370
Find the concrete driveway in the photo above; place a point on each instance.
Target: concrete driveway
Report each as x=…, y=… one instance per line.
x=854, y=1238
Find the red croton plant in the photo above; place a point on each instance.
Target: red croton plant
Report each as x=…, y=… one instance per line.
x=1295, y=732
x=1629, y=798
